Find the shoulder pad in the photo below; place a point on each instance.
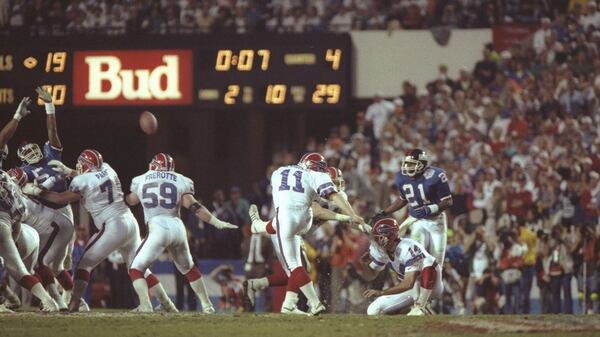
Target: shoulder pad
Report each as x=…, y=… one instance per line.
x=429, y=173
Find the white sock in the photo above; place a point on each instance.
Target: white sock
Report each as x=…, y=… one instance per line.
x=423, y=297
x=291, y=299
x=311, y=295
x=141, y=288
x=159, y=292
x=260, y=226
x=260, y=283
x=200, y=290
x=38, y=291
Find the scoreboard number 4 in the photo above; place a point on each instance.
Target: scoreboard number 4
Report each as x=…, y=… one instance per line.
x=58, y=91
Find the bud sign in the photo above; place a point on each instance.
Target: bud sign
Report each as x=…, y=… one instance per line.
x=141, y=77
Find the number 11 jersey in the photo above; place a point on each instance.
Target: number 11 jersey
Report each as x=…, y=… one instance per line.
x=101, y=193
x=294, y=186
x=161, y=192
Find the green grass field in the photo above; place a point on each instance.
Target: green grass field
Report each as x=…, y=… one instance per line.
x=115, y=324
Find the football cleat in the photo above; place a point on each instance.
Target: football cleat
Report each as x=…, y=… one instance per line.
x=209, y=310
x=142, y=309
x=83, y=306
x=5, y=310
x=12, y=300
x=313, y=161
x=249, y=292
x=293, y=311
x=318, y=309
x=167, y=306
x=416, y=311
x=258, y=226
x=89, y=160
x=162, y=162
x=49, y=305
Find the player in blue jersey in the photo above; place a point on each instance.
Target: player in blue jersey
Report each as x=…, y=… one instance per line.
x=57, y=235
x=425, y=190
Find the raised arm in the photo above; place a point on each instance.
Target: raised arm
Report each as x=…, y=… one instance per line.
x=61, y=198
x=50, y=117
x=202, y=213
x=9, y=129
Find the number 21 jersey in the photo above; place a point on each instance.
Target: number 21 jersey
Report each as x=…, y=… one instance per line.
x=101, y=193
x=161, y=192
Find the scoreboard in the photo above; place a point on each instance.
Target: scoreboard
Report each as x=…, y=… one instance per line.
x=274, y=71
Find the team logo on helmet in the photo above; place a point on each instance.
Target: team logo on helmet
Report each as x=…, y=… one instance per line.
x=385, y=231
x=89, y=160
x=414, y=163
x=30, y=153
x=313, y=161
x=162, y=162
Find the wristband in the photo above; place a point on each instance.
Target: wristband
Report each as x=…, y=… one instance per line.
x=342, y=217
x=49, y=108
x=195, y=207
x=434, y=208
x=17, y=116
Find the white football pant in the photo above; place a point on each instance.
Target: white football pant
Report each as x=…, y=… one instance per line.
x=432, y=234
x=289, y=225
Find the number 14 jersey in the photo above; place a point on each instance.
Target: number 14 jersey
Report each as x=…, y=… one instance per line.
x=101, y=193
x=294, y=186
x=161, y=192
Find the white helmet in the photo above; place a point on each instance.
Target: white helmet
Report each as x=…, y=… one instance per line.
x=30, y=153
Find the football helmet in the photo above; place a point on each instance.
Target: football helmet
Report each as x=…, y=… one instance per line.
x=337, y=177
x=18, y=176
x=313, y=161
x=414, y=163
x=162, y=162
x=89, y=160
x=386, y=231
x=30, y=153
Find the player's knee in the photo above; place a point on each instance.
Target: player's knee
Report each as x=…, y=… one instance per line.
x=374, y=309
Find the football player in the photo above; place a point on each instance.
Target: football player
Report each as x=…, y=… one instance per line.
x=410, y=261
x=425, y=190
x=96, y=183
x=252, y=286
x=57, y=237
x=12, y=210
x=295, y=188
x=163, y=191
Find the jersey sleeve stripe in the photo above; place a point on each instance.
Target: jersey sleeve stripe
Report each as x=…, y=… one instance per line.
x=378, y=262
x=324, y=187
x=327, y=191
x=446, y=197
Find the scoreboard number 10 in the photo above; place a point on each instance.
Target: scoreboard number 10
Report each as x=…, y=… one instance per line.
x=58, y=92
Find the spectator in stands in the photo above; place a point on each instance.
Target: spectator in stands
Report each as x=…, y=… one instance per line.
x=378, y=113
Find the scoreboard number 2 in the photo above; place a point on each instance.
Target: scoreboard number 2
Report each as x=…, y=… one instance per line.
x=58, y=91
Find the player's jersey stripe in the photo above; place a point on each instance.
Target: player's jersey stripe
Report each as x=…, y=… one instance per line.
x=446, y=197
x=93, y=242
x=44, y=251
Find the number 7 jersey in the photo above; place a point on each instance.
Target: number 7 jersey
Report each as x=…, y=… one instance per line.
x=161, y=192
x=101, y=193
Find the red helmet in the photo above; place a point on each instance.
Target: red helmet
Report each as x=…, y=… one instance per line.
x=162, y=162
x=337, y=177
x=18, y=175
x=313, y=161
x=385, y=231
x=89, y=160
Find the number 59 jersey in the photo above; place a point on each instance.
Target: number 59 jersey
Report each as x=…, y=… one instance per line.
x=101, y=193
x=161, y=192
x=294, y=186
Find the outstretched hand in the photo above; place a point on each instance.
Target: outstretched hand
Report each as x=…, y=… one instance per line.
x=43, y=95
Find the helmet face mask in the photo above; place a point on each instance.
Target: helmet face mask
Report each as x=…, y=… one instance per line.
x=89, y=160
x=30, y=153
x=386, y=233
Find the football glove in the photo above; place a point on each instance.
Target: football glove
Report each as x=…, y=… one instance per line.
x=31, y=189
x=22, y=109
x=365, y=228
x=60, y=168
x=425, y=211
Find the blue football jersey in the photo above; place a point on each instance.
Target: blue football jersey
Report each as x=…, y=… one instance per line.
x=45, y=175
x=428, y=188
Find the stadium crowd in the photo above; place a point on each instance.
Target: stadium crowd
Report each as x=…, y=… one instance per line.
x=114, y=17
x=519, y=137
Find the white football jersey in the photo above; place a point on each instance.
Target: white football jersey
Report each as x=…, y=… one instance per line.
x=101, y=193
x=12, y=200
x=408, y=257
x=295, y=186
x=161, y=192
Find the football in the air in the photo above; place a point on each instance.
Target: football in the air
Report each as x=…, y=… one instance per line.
x=148, y=122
